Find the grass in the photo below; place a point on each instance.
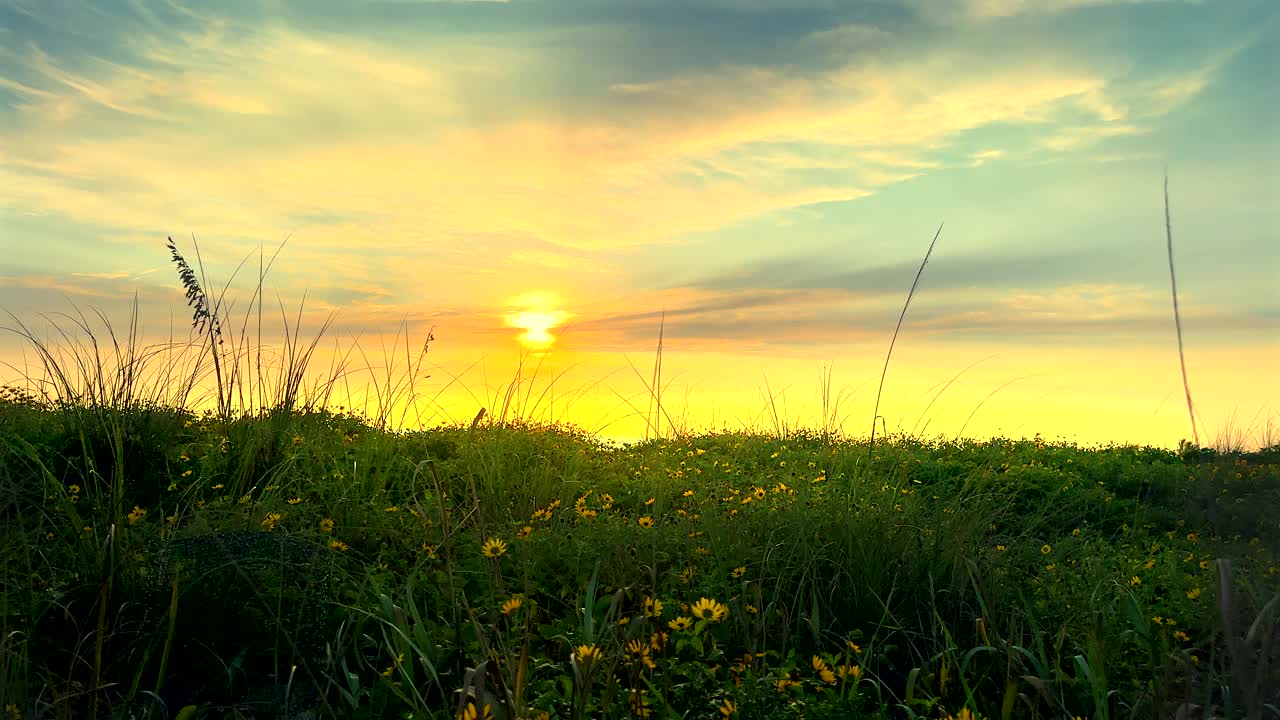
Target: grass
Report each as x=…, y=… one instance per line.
x=277, y=556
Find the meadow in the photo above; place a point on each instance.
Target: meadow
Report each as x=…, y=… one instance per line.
x=278, y=555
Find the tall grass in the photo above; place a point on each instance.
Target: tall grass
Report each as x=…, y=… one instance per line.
x=280, y=557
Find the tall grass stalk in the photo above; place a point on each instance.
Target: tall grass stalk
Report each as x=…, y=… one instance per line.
x=875, y=413
x=1177, y=316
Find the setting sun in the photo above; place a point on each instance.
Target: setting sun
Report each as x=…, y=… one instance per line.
x=537, y=319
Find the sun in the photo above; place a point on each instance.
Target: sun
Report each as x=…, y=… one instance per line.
x=537, y=317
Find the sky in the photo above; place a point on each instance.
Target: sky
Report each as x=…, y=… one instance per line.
x=550, y=186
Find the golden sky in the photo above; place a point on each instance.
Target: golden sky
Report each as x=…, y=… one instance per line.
x=557, y=178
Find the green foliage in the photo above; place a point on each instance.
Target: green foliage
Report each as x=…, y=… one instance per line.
x=310, y=560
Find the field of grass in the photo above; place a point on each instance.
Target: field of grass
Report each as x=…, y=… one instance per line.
x=279, y=556
x=304, y=564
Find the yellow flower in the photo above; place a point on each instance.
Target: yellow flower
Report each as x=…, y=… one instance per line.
x=512, y=605
x=391, y=509
x=1001, y=548
x=751, y=609
x=738, y=572
x=430, y=551
x=849, y=672
x=965, y=714
x=1180, y=635
x=493, y=547
x=759, y=492
x=645, y=521
x=639, y=704
x=652, y=607
x=588, y=654
x=1204, y=564
x=1075, y=533
x=728, y=709
x=218, y=486
x=337, y=544
x=326, y=525
x=523, y=532
x=186, y=473
x=1148, y=564
x=1193, y=593
x=295, y=500
x=270, y=519
x=470, y=713
x=855, y=647
x=649, y=502
x=136, y=514
x=1135, y=581
x=687, y=493
x=708, y=609
x=658, y=640
x=785, y=683
x=680, y=623
x=824, y=672
x=1046, y=549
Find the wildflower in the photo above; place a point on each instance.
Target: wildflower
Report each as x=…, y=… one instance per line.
x=759, y=492
x=1135, y=581
x=540, y=514
x=1193, y=593
x=523, y=532
x=1192, y=537
x=512, y=605
x=1046, y=549
x=588, y=654
x=638, y=704
x=136, y=514
x=751, y=609
x=687, y=493
x=295, y=501
x=1001, y=548
x=217, y=486
x=430, y=551
x=640, y=650
x=680, y=624
x=606, y=501
x=172, y=486
x=391, y=509
x=658, y=640
x=1204, y=564
x=1180, y=635
x=824, y=672
x=183, y=458
x=337, y=544
x=785, y=683
x=645, y=521
x=686, y=576
x=728, y=709
x=1075, y=533
x=470, y=713
x=493, y=548
x=392, y=667
x=326, y=525
x=186, y=473
x=652, y=607
x=853, y=646
x=738, y=572
x=1158, y=620
x=1051, y=567
x=849, y=672
x=270, y=519
x=708, y=609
